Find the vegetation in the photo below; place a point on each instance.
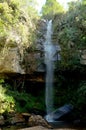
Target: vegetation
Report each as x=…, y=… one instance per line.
x=70, y=33
x=70, y=88
x=18, y=22
x=7, y=103
x=15, y=101
x=51, y=8
x=17, y=25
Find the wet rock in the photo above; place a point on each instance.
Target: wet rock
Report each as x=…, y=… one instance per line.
x=59, y=113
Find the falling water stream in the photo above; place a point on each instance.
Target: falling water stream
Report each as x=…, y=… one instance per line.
x=49, y=53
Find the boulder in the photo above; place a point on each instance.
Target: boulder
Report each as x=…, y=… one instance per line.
x=37, y=120
x=17, y=118
x=59, y=113
x=26, y=116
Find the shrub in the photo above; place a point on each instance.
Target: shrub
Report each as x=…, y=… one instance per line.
x=7, y=102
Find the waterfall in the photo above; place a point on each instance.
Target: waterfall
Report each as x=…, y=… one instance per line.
x=49, y=53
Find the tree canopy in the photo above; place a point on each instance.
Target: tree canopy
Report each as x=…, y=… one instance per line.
x=51, y=8
x=15, y=15
x=70, y=32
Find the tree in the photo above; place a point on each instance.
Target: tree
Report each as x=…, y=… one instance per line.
x=51, y=8
x=70, y=32
x=83, y=2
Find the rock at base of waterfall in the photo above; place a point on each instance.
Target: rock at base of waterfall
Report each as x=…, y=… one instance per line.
x=37, y=120
x=58, y=113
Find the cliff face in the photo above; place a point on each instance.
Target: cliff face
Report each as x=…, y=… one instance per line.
x=10, y=62
x=21, y=39
x=15, y=57
x=34, y=56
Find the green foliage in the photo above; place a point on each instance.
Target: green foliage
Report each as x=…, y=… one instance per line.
x=18, y=101
x=65, y=90
x=70, y=33
x=81, y=95
x=7, y=103
x=80, y=100
x=25, y=102
x=17, y=24
x=70, y=89
x=83, y=2
x=51, y=8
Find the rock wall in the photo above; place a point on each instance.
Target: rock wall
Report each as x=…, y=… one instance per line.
x=16, y=58
x=34, y=59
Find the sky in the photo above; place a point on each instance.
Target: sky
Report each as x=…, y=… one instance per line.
x=62, y=2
